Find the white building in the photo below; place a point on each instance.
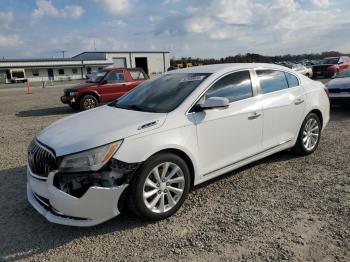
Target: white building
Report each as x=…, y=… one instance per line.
x=78, y=66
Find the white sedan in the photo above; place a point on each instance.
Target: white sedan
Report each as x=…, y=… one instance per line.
x=151, y=146
x=301, y=69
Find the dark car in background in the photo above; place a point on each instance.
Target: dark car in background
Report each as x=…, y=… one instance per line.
x=106, y=85
x=339, y=88
x=330, y=66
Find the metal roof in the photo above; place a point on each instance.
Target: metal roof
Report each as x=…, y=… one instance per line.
x=121, y=52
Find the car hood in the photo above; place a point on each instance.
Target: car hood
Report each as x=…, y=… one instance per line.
x=82, y=85
x=339, y=83
x=97, y=127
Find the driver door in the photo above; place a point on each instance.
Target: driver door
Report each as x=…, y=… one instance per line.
x=114, y=86
x=227, y=136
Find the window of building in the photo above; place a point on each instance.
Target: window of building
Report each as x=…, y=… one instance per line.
x=61, y=71
x=74, y=71
x=272, y=80
x=235, y=86
x=35, y=72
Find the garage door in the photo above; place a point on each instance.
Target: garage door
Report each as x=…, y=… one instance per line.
x=119, y=61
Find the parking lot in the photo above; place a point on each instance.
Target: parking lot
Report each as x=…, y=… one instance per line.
x=284, y=207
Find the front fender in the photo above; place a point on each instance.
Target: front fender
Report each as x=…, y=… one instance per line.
x=139, y=148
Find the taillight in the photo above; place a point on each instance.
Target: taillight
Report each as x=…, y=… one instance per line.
x=326, y=90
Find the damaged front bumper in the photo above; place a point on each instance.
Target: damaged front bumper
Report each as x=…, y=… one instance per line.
x=62, y=205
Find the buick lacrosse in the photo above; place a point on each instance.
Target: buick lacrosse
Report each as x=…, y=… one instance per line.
x=147, y=149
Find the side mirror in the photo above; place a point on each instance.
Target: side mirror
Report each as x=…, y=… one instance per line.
x=213, y=103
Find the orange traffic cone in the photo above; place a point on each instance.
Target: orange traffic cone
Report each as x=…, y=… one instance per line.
x=28, y=87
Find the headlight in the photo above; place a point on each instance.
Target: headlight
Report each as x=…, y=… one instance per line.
x=72, y=93
x=90, y=160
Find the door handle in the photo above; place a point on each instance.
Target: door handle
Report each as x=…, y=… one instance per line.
x=254, y=116
x=299, y=101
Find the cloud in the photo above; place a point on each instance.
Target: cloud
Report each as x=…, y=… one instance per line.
x=72, y=11
x=120, y=24
x=199, y=24
x=6, y=18
x=115, y=7
x=46, y=8
x=321, y=3
x=254, y=26
x=10, y=40
x=170, y=2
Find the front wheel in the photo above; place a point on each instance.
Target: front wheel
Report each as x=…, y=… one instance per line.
x=309, y=135
x=160, y=187
x=88, y=102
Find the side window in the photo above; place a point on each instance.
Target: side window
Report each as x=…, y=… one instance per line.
x=120, y=77
x=271, y=80
x=236, y=86
x=115, y=76
x=292, y=80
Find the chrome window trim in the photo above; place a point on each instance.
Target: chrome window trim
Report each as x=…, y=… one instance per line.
x=253, y=83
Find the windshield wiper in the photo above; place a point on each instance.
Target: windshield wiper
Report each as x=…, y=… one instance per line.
x=132, y=107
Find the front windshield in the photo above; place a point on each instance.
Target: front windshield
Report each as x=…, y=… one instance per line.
x=96, y=77
x=331, y=60
x=343, y=74
x=161, y=95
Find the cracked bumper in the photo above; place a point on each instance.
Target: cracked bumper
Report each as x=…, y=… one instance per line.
x=96, y=206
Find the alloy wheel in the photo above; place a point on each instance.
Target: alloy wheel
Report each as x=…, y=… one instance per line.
x=311, y=134
x=89, y=103
x=163, y=187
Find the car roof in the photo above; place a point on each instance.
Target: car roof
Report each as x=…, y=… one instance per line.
x=215, y=68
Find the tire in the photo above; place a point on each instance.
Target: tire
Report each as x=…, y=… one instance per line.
x=88, y=102
x=146, y=191
x=309, y=131
x=75, y=106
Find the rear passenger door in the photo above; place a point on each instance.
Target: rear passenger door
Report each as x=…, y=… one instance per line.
x=283, y=103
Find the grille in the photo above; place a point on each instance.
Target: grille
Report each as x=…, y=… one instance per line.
x=66, y=92
x=321, y=68
x=41, y=161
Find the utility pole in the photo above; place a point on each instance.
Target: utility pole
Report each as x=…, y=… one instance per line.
x=63, y=52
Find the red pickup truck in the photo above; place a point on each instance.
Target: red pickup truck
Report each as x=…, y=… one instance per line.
x=104, y=86
x=330, y=66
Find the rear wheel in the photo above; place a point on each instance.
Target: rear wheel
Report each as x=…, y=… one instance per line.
x=88, y=102
x=309, y=135
x=160, y=187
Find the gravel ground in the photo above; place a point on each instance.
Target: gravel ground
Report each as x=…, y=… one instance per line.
x=284, y=207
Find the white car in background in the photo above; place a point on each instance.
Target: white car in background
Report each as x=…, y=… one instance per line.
x=151, y=146
x=301, y=69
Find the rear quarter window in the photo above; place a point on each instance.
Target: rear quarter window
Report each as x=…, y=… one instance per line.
x=293, y=81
